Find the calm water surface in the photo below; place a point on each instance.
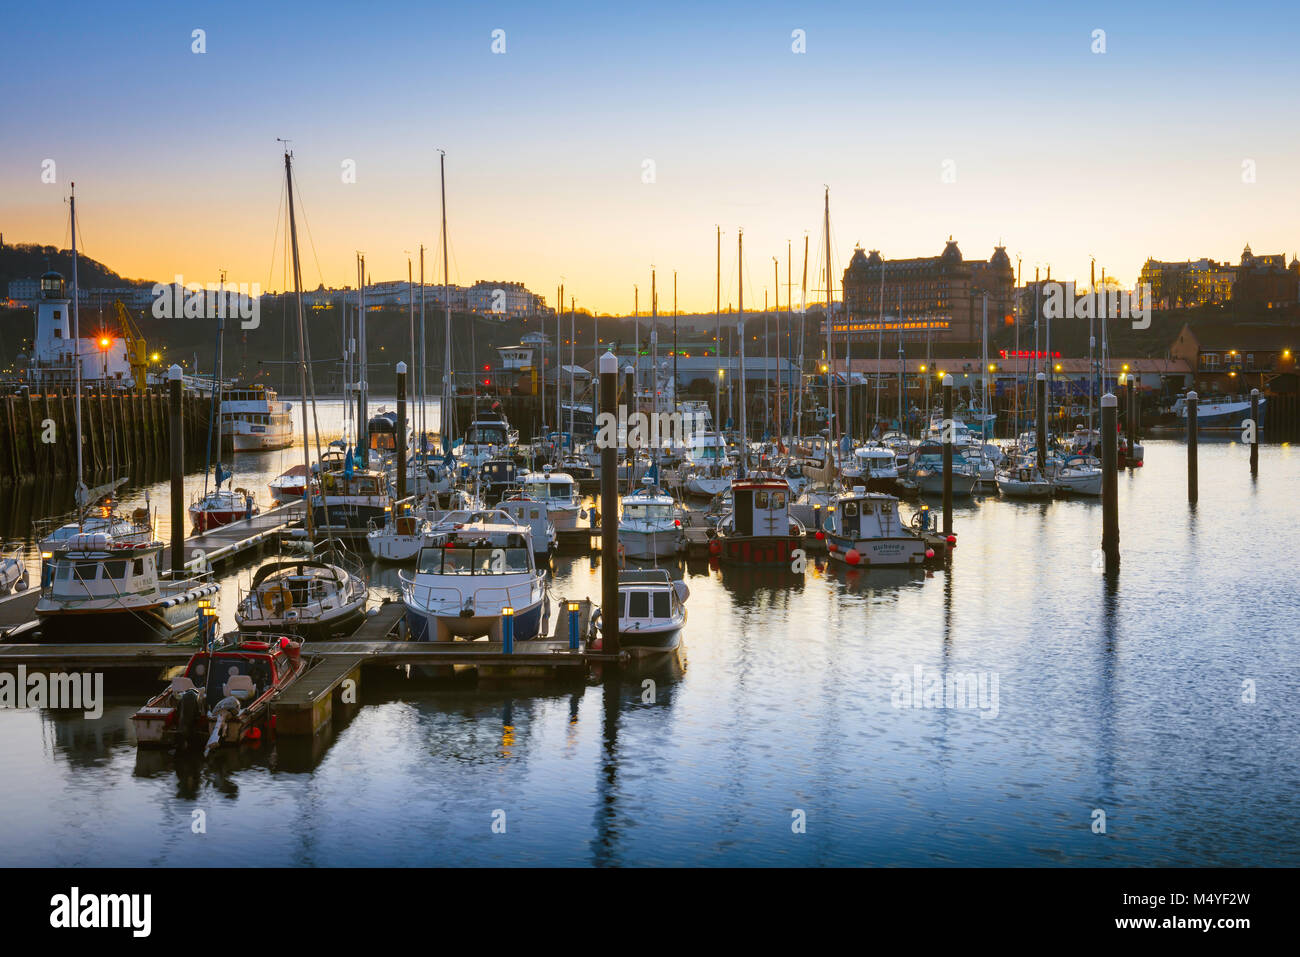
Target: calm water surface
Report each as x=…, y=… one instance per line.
x=1124, y=696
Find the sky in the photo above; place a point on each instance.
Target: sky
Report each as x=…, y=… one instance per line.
x=609, y=139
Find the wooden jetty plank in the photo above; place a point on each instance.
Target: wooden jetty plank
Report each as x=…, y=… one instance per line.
x=307, y=706
x=94, y=655
x=376, y=627
x=17, y=611
x=227, y=541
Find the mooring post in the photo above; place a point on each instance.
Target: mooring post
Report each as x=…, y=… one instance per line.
x=175, y=392
x=1131, y=413
x=1041, y=438
x=573, y=625
x=508, y=630
x=1254, y=432
x=607, y=438
x=1191, y=403
x=401, y=432
x=1109, y=481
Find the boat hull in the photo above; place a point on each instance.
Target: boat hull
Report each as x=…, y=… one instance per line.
x=770, y=550
x=649, y=545
x=144, y=623
x=313, y=630
x=429, y=626
x=892, y=551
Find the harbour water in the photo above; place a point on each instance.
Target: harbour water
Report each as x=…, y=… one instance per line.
x=1164, y=698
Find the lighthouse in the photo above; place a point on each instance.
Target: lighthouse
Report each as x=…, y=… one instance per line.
x=102, y=352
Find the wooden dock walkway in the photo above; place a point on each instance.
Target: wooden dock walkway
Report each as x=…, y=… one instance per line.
x=221, y=544
x=93, y=656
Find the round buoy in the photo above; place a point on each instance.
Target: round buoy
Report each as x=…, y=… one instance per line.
x=830, y=546
x=820, y=534
x=715, y=547
x=852, y=556
x=952, y=539
x=929, y=553
x=254, y=734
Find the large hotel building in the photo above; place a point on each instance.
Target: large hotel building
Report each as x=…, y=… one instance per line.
x=941, y=296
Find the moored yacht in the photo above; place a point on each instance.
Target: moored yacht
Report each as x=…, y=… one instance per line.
x=313, y=598
x=651, y=611
x=649, y=526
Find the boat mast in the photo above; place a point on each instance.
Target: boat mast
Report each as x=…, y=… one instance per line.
x=421, y=369
x=302, y=345
x=984, y=371
x=830, y=345
x=776, y=320
x=363, y=371
x=447, y=412
x=82, y=495
x=740, y=329
x=717, y=339
x=573, y=346
x=803, y=329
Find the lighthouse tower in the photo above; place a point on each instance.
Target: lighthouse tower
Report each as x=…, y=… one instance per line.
x=103, y=354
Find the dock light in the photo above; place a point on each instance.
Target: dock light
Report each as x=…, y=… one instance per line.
x=105, y=342
x=507, y=611
x=574, y=641
x=508, y=630
x=992, y=367
x=1056, y=368
x=1286, y=353
x=922, y=368
x=939, y=374
x=46, y=556
x=721, y=373
x=154, y=357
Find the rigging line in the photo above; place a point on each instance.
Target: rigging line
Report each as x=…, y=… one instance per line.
x=275, y=239
x=320, y=275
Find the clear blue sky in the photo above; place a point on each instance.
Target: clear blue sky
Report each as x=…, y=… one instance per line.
x=1057, y=151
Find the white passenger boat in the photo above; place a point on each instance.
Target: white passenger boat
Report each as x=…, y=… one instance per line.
x=253, y=419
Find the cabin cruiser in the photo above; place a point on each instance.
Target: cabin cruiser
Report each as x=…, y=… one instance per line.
x=649, y=526
x=651, y=612
x=400, y=538
x=1077, y=474
x=496, y=477
x=708, y=468
x=466, y=578
x=13, y=572
x=95, y=588
x=489, y=436
x=54, y=534
x=760, y=529
x=875, y=467
x=523, y=509
x=224, y=695
x=1024, y=480
x=559, y=492
x=865, y=529
x=309, y=597
x=927, y=471
x=1219, y=411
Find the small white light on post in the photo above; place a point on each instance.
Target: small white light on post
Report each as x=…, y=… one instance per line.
x=401, y=368
x=947, y=381
x=174, y=372
x=608, y=364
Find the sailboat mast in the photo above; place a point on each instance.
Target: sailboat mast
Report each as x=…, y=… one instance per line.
x=447, y=412
x=740, y=328
x=302, y=338
x=420, y=370
x=717, y=339
x=573, y=345
x=830, y=342
x=803, y=328
x=76, y=354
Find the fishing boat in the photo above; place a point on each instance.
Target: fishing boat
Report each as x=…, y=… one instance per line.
x=865, y=529
x=13, y=572
x=290, y=485
x=313, y=598
x=651, y=612
x=489, y=436
x=496, y=477
x=224, y=695
x=350, y=498
x=99, y=589
x=649, y=526
x=708, y=468
x=467, y=577
x=759, y=529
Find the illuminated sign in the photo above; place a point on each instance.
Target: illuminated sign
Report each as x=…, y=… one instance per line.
x=1026, y=354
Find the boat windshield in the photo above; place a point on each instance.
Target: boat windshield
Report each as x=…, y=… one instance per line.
x=485, y=435
x=215, y=678
x=479, y=560
x=648, y=513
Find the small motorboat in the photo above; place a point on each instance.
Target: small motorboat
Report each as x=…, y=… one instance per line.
x=1024, y=481
x=651, y=612
x=760, y=529
x=308, y=597
x=290, y=485
x=224, y=695
x=1078, y=475
x=221, y=507
x=649, y=527
x=865, y=529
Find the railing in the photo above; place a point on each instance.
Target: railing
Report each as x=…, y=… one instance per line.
x=487, y=600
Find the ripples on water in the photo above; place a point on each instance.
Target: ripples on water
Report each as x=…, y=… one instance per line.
x=1123, y=697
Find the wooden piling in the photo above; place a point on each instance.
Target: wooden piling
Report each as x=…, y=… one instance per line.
x=1191, y=402
x=1110, y=481
x=1254, y=431
x=177, y=472
x=947, y=436
x=609, y=507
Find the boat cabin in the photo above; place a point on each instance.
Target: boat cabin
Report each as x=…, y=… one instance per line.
x=550, y=486
x=862, y=514
x=486, y=550
x=97, y=572
x=364, y=482
x=761, y=507
x=649, y=597
x=245, y=672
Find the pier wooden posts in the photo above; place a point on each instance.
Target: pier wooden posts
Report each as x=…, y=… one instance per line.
x=1041, y=438
x=607, y=440
x=401, y=431
x=1254, y=432
x=1131, y=413
x=947, y=435
x=175, y=386
x=1110, y=481
x=1191, y=402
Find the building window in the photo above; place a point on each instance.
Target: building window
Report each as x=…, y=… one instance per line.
x=1209, y=360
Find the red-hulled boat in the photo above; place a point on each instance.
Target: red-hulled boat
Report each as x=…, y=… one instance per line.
x=221, y=507
x=759, y=529
x=290, y=485
x=224, y=695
